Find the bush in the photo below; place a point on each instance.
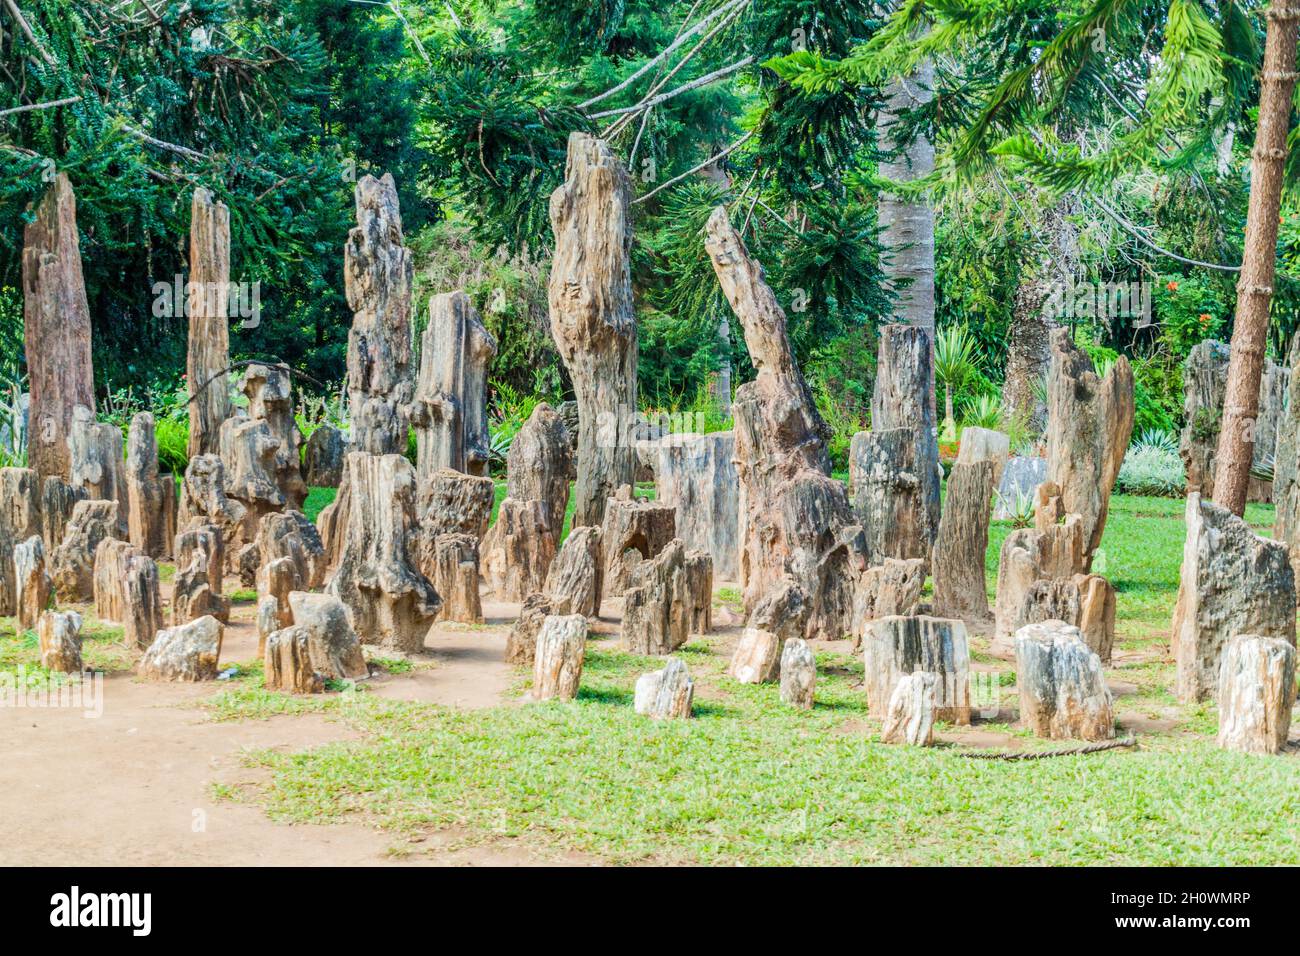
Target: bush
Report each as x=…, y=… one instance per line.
x=1152, y=467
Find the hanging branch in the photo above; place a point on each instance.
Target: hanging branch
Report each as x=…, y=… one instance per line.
x=40, y=106
x=695, y=169
x=684, y=88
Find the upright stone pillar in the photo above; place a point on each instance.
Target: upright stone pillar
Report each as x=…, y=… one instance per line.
x=209, y=318
x=697, y=474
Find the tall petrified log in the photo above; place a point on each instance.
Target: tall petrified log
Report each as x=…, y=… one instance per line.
x=1256, y=694
x=95, y=461
x=592, y=318
x=538, y=465
x=209, y=317
x=1063, y=692
x=518, y=549
x=196, y=588
x=56, y=328
x=1089, y=423
x=697, y=475
x=249, y=452
x=389, y=602
x=1232, y=582
x=20, y=518
x=1286, y=471
x=73, y=564
x=959, y=589
x=449, y=412
x=377, y=271
x=895, y=646
x=635, y=530
x=150, y=497
x=794, y=519
x=270, y=400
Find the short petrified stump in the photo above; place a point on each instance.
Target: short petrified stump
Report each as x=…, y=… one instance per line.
x=667, y=693
x=1256, y=694
x=186, y=653
x=33, y=581
x=798, y=674
x=59, y=634
x=1063, y=693
x=661, y=605
x=894, y=647
x=557, y=666
x=910, y=718
x=573, y=585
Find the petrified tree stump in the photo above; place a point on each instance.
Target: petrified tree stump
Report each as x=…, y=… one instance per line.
x=1089, y=423
x=959, y=589
x=521, y=644
x=109, y=569
x=658, y=607
x=1232, y=582
x=1256, y=694
x=196, y=588
x=779, y=617
x=249, y=451
x=59, y=636
x=57, y=500
x=538, y=465
x=208, y=309
x=449, y=502
x=1286, y=471
x=377, y=272
x=1096, y=614
x=270, y=400
x=389, y=602
x=335, y=649
x=268, y=622
x=186, y=653
x=573, y=584
x=56, y=329
x=323, y=458
x=697, y=475
x=557, y=664
x=896, y=646
x=910, y=716
x=276, y=579
x=635, y=530
x=518, y=549
x=798, y=674
x=794, y=519
x=455, y=578
x=142, y=602
x=34, y=585
x=95, y=461
x=592, y=317
x=73, y=566
x=209, y=540
x=20, y=518
x=204, y=502
x=665, y=694
x=1063, y=693
x=449, y=412
x=891, y=588
x=150, y=498
x=1029, y=555
x=889, y=495
x=288, y=664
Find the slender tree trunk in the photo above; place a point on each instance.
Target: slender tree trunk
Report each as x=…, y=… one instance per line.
x=907, y=228
x=1255, y=286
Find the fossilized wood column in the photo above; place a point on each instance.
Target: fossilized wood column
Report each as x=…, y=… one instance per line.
x=573, y=584
x=557, y=662
x=635, y=530
x=1256, y=694
x=697, y=474
x=270, y=400
x=449, y=412
x=73, y=564
x=661, y=604
x=196, y=588
x=59, y=636
x=794, y=519
x=891, y=588
x=592, y=319
x=209, y=318
x=455, y=578
x=1089, y=423
x=1029, y=555
x=204, y=501
x=518, y=550
x=33, y=582
x=538, y=465
x=959, y=589
x=20, y=518
x=665, y=694
x=1286, y=471
x=95, y=461
x=377, y=271
x=56, y=329
x=897, y=646
x=389, y=602
x=150, y=499
x=57, y=500
x=798, y=674
x=249, y=452
x=1063, y=692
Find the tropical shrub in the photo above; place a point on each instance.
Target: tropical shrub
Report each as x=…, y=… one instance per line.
x=1152, y=466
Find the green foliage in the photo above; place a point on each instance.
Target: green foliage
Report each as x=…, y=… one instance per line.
x=509, y=410
x=1190, y=309
x=1152, y=466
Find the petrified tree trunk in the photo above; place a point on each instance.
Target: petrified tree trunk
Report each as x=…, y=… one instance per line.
x=335, y=649
x=323, y=458
x=888, y=589
x=896, y=646
x=538, y=465
x=1231, y=582
x=290, y=535
x=204, y=501
x=557, y=665
x=798, y=674
x=377, y=271
x=665, y=694
x=592, y=318
x=277, y=579
x=910, y=715
x=268, y=622
x=249, y=451
x=1030, y=555
x=73, y=565
x=903, y=397
x=196, y=589
x=1286, y=472
x=95, y=461
x=1089, y=423
x=518, y=550
x=57, y=501
x=1256, y=694
x=270, y=400
x=889, y=496
x=150, y=500
x=20, y=518
x=142, y=602
x=573, y=584
x=794, y=519
x=697, y=474
x=186, y=653
x=635, y=530
x=985, y=444
x=33, y=582
x=56, y=329
x=658, y=606
x=449, y=502
x=521, y=644
x=111, y=559
x=1096, y=614
x=455, y=578
x=59, y=636
x=779, y=617
x=959, y=589
x=1063, y=692
x=209, y=317
x=287, y=662
x=389, y=602
x=450, y=407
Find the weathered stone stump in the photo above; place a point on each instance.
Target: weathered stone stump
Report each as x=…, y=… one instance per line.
x=20, y=518
x=521, y=644
x=57, y=501
x=73, y=565
x=1096, y=614
x=249, y=451
x=665, y=694
x=196, y=588
x=270, y=400
x=798, y=674
x=635, y=530
x=128, y=592
x=896, y=646
x=1256, y=693
x=323, y=457
x=449, y=502
x=910, y=716
x=557, y=663
x=1232, y=582
x=518, y=549
x=959, y=550
x=276, y=579
x=887, y=589
x=186, y=653
x=109, y=573
x=335, y=648
x=538, y=465
x=268, y=622
x=204, y=502
x=59, y=637
x=1029, y=555
x=208, y=355
x=573, y=584
x=1063, y=693
x=778, y=618
x=288, y=664
x=33, y=582
x=697, y=475
x=95, y=456
x=150, y=497
x=455, y=578
x=658, y=608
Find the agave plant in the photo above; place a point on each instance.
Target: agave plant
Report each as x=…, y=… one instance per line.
x=955, y=366
x=984, y=411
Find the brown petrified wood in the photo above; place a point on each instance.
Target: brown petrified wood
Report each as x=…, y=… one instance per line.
x=518, y=550
x=659, y=607
x=893, y=587
x=57, y=500
x=1256, y=694
x=896, y=646
x=34, y=585
x=150, y=497
x=209, y=322
x=287, y=662
x=95, y=461
x=697, y=475
x=1063, y=692
x=635, y=530
x=204, y=502
x=248, y=450
x=56, y=329
x=521, y=644
x=20, y=518
x=59, y=638
x=142, y=602
x=196, y=588
x=794, y=519
x=110, y=563
x=665, y=694
x=538, y=465
x=592, y=317
x=573, y=584
x=779, y=617
x=455, y=573
x=73, y=564
x=270, y=400
x=557, y=662
x=1029, y=555
x=323, y=458
x=186, y=653
x=959, y=588
x=335, y=648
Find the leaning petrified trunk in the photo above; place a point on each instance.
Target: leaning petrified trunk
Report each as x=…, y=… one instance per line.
x=150, y=497
x=95, y=461
x=1089, y=423
x=1232, y=582
x=1063, y=692
x=592, y=318
x=20, y=518
x=896, y=646
x=959, y=589
x=557, y=662
x=390, y=603
x=208, y=310
x=377, y=271
x=33, y=582
x=56, y=328
x=450, y=407
x=270, y=400
x=697, y=474
x=538, y=465
x=794, y=519
x=1256, y=694
x=573, y=584
x=665, y=694
x=635, y=530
